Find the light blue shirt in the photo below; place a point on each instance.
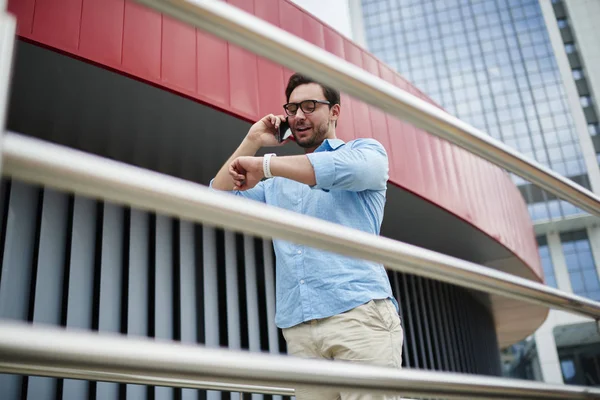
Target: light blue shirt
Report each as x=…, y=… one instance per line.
x=351, y=182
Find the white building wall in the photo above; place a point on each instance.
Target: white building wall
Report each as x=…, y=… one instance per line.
x=586, y=144
x=357, y=23
x=584, y=18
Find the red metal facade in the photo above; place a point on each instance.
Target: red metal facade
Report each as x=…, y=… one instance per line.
x=126, y=37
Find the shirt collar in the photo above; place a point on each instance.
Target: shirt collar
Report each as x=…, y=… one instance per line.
x=329, y=145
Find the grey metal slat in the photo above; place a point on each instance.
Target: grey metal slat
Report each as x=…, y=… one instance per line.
x=137, y=290
x=242, y=296
x=269, y=268
x=81, y=280
x=418, y=321
x=187, y=282
x=402, y=319
x=251, y=294
x=439, y=327
x=477, y=345
x=188, y=290
x=412, y=345
x=441, y=287
x=163, y=290
x=484, y=359
x=432, y=323
x=425, y=319
x=270, y=294
x=17, y=266
x=211, y=297
x=111, y=263
x=234, y=339
x=493, y=348
x=233, y=319
x=252, y=299
x=457, y=305
x=454, y=334
x=465, y=315
x=261, y=295
x=47, y=308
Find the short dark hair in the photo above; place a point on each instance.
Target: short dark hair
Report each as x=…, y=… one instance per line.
x=332, y=95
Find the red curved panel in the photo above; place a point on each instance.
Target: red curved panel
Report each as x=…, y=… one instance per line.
x=102, y=29
x=126, y=37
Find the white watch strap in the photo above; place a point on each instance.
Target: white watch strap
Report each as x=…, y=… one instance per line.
x=267, y=164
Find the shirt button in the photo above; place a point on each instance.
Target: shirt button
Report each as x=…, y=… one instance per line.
x=299, y=251
x=302, y=282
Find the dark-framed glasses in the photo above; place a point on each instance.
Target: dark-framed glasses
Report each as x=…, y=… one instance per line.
x=307, y=106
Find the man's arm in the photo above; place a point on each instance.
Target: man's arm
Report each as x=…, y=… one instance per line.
x=247, y=172
x=223, y=180
x=297, y=168
x=261, y=134
x=363, y=167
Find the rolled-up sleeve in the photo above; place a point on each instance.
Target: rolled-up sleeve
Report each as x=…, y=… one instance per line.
x=256, y=193
x=362, y=166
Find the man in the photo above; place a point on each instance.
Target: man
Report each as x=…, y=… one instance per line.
x=328, y=306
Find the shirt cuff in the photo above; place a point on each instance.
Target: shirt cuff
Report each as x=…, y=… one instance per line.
x=210, y=186
x=324, y=167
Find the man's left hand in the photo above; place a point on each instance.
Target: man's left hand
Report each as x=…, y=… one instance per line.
x=246, y=172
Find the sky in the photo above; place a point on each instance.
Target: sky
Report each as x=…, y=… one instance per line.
x=333, y=12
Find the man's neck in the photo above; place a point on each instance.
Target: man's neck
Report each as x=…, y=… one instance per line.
x=330, y=136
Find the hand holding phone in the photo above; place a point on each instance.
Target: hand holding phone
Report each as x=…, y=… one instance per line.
x=284, y=131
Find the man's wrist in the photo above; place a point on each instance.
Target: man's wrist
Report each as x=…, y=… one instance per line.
x=266, y=165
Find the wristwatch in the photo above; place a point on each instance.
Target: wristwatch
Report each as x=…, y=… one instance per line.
x=267, y=164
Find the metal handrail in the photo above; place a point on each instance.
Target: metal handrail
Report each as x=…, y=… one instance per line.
x=109, y=357
x=262, y=38
x=50, y=370
x=40, y=162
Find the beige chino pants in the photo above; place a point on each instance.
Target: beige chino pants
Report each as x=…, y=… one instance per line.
x=370, y=334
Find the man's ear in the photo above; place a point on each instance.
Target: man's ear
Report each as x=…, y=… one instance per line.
x=335, y=112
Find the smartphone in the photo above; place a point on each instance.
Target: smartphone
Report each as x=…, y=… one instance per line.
x=284, y=131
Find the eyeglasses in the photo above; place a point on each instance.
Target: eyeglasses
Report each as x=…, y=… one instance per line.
x=307, y=106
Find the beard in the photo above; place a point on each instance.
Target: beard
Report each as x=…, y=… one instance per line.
x=314, y=140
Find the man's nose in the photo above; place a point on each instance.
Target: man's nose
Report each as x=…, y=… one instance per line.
x=300, y=114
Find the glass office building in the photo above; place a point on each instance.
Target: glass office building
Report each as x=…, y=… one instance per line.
x=523, y=71
x=491, y=64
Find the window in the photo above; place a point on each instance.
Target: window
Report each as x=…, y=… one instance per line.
x=580, y=264
x=567, y=367
x=569, y=48
x=577, y=74
x=562, y=23
x=593, y=129
x=538, y=212
x=585, y=101
x=547, y=265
